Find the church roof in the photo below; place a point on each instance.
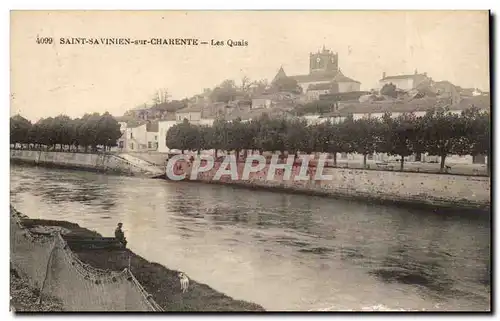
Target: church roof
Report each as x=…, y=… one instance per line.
x=314, y=77
x=320, y=86
x=281, y=74
x=322, y=76
x=413, y=76
x=341, y=78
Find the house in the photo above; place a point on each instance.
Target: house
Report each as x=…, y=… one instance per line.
x=127, y=123
x=192, y=114
x=314, y=91
x=270, y=99
x=136, y=138
x=152, y=135
x=323, y=69
x=405, y=82
x=445, y=89
x=262, y=101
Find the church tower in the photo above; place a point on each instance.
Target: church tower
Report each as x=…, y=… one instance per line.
x=325, y=61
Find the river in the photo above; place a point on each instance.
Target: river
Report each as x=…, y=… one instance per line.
x=282, y=251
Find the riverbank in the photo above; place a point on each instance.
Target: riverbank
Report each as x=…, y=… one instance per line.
x=101, y=163
x=160, y=282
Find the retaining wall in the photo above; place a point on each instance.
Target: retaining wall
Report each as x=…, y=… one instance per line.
x=94, y=162
x=440, y=190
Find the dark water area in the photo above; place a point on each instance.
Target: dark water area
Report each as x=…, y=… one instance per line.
x=282, y=251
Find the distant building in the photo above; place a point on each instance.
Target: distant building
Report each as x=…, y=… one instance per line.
x=192, y=114
x=270, y=100
x=323, y=69
x=445, y=89
x=405, y=82
x=136, y=138
x=396, y=108
x=152, y=136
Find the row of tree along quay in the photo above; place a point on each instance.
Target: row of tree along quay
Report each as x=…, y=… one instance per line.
x=437, y=133
x=87, y=133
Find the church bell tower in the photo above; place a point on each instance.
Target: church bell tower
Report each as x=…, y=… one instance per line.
x=325, y=61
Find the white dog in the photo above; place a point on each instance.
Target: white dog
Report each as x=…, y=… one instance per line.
x=184, y=282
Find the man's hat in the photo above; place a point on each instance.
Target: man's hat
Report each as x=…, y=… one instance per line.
x=120, y=223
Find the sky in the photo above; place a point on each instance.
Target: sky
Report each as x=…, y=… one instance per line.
x=53, y=79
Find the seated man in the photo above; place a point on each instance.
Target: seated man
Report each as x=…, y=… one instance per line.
x=119, y=235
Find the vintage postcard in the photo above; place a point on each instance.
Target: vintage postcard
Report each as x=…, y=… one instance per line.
x=217, y=161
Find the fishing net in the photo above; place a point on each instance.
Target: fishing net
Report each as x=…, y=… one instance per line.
x=51, y=266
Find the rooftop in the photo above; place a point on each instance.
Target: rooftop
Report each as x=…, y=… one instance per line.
x=416, y=105
x=152, y=127
x=190, y=109
x=408, y=76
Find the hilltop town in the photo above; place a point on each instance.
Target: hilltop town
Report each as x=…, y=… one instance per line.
x=325, y=93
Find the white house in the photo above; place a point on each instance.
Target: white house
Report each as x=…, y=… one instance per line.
x=192, y=114
x=136, y=138
x=264, y=101
x=152, y=136
x=404, y=82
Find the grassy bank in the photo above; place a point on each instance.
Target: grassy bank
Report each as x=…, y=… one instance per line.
x=162, y=283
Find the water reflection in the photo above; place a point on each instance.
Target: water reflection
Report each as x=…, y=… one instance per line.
x=282, y=251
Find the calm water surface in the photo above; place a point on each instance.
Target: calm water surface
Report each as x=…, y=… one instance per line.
x=285, y=252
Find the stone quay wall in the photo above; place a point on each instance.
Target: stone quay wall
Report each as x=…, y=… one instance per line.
x=93, y=162
x=427, y=189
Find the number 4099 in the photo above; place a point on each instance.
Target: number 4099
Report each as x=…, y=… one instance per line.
x=44, y=41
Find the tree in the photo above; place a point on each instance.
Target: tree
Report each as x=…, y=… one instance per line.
x=297, y=136
x=365, y=136
x=389, y=90
x=441, y=133
x=287, y=84
x=236, y=135
x=19, y=130
x=337, y=138
x=245, y=84
x=108, y=131
x=182, y=136
x=259, y=86
x=161, y=96
x=90, y=130
x=398, y=135
x=219, y=135
x=477, y=137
